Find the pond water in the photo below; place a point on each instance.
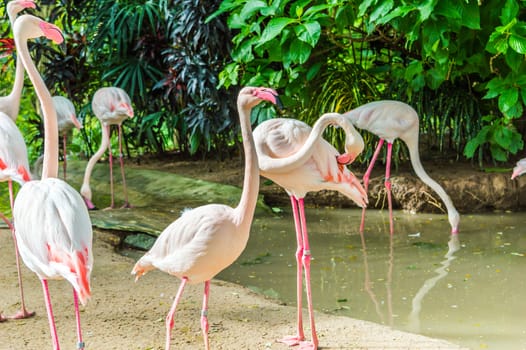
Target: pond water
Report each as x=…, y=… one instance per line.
x=410, y=281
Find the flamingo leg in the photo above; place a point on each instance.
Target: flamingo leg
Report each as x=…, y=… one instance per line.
x=22, y=313
x=367, y=175
x=80, y=342
x=110, y=156
x=306, y=258
x=121, y=160
x=387, y=184
x=8, y=222
x=64, y=152
x=300, y=336
x=51, y=319
x=170, y=316
x=204, y=315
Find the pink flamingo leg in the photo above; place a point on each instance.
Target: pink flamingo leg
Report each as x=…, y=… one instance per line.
x=22, y=313
x=367, y=175
x=306, y=258
x=170, y=316
x=204, y=315
x=80, y=343
x=64, y=152
x=50, y=317
x=295, y=339
x=387, y=184
x=121, y=159
x=112, y=205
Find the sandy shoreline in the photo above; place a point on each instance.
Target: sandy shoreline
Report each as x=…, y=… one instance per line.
x=123, y=314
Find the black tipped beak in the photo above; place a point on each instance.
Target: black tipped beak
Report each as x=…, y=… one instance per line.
x=279, y=104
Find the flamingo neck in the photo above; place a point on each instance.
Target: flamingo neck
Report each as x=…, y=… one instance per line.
x=50, y=163
x=272, y=165
x=249, y=195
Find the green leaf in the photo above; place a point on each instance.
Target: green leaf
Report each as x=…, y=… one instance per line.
x=309, y=32
x=514, y=60
x=508, y=98
x=470, y=14
x=274, y=27
x=518, y=43
x=382, y=8
x=509, y=11
x=299, y=52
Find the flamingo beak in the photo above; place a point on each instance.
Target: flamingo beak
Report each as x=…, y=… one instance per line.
x=269, y=95
x=76, y=122
x=52, y=32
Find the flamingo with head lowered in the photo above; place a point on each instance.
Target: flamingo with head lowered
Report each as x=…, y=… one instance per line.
x=111, y=106
x=390, y=120
x=52, y=224
x=297, y=158
x=206, y=240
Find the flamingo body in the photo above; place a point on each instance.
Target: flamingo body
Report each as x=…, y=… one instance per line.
x=66, y=114
x=281, y=138
x=198, y=245
x=58, y=249
x=13, y=152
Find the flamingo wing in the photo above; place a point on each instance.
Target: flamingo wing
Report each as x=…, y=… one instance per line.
x=54, y=232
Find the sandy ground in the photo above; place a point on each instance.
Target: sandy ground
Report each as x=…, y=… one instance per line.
x=123, y=314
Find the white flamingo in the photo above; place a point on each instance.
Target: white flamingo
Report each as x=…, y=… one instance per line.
x=111, y=105
x=206, y=240
x=52, y=224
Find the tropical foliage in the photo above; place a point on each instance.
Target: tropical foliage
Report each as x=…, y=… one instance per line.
x=460, y=63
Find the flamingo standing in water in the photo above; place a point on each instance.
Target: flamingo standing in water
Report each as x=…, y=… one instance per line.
x=294, y=156
x=10, y=104
x=67, y=120
x=14, y=165
x=52, y=224
x=390, y=120
x=520, y=168
x=111, y=106
x=206, y=240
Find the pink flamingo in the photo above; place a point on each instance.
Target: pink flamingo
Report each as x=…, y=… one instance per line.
x=10, y=104
x=53, y=227
x=206, y=240
x=390, y=120
x=14, y=165
x=294, y=156
x=520, y=168
x=67, y=120
x=111, y=106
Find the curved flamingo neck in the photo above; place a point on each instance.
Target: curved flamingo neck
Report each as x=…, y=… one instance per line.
x=249, y=195
x=453, y=215
x=272, y=165
x=50, y=163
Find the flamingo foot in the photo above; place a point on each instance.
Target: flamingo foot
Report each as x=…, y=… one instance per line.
x=126, y=205
x=291, y=340
x=89, y=204
x=2, y=318
x=23, y=313
x=307, y=345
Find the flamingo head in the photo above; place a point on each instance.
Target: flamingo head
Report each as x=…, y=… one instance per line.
x=16, y=6
x=252, y=96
